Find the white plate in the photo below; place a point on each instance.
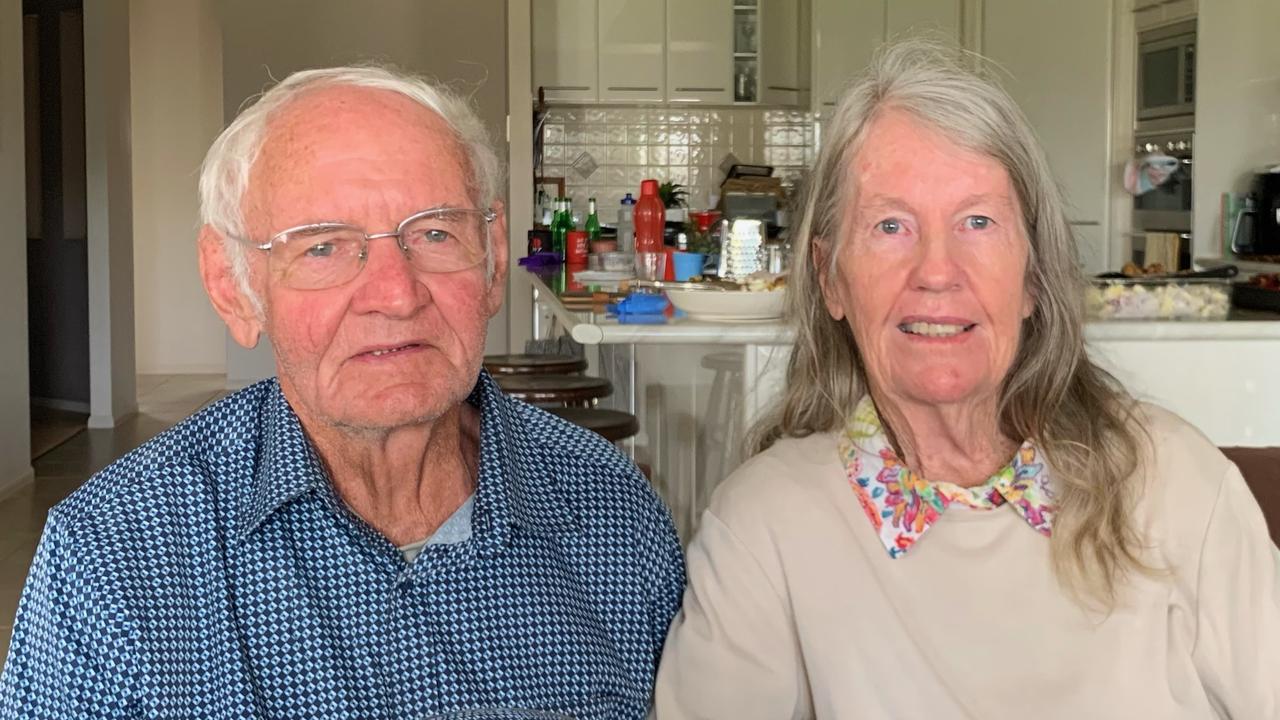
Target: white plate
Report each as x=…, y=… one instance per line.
x=731, y=306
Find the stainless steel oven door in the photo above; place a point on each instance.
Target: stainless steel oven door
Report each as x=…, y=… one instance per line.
x=1167, y=207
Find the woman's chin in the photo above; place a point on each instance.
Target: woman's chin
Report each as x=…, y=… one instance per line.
x=942, y=388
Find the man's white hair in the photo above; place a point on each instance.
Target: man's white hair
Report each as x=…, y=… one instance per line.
x=224, y=176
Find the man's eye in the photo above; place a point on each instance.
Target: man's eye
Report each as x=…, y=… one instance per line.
x=978, y=222
x=436, y=235
x=321, y=250
x=889, y=227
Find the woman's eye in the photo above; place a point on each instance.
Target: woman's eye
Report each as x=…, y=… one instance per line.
x=978, y=222
x=889, y=227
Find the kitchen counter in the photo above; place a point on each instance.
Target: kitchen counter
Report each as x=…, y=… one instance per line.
x=697, y=386
x=596, y=328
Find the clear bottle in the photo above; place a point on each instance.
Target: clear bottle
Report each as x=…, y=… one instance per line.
x=626, y=224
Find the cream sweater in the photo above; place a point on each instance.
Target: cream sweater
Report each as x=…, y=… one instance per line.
x=795, y=610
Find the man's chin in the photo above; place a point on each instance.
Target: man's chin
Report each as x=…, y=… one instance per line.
x=394, y=408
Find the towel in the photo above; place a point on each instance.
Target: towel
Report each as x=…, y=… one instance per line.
x=1142, y=175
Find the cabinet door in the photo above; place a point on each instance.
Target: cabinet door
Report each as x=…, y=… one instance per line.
x=938, y=17
x=632, y=39
x=564, y=49
x=700, y=51
x=845, y=34
x=1060, y=79
x=784, y=47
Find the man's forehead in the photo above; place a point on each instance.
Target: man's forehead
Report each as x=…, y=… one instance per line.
x=352, y=136
x=343, y=118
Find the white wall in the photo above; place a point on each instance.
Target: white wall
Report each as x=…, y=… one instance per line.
x=109, y=168
x=1237, y=105
x=175, y=58
x=15, y=419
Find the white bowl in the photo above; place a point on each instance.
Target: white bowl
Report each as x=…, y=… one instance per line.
x=729, y=306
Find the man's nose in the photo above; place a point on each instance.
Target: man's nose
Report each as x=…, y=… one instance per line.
x=388, y=283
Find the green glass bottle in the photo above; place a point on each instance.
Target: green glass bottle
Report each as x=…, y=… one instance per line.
x=559, y=233
x=593, y=221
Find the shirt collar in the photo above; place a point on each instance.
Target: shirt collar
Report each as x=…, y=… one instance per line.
x=902, y=506
x=511, y=488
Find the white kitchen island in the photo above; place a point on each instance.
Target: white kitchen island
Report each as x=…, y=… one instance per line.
x=696, y=385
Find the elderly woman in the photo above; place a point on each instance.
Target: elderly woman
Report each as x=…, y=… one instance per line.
x=953, y=512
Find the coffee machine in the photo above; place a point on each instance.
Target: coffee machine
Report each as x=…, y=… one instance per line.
x=1257, y=227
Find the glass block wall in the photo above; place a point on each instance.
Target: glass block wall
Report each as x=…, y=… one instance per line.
x=606, y=152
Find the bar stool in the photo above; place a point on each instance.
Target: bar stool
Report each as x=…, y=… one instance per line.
x=720, y=437
x=553, y=390
x=534, y=364
x=612, y=425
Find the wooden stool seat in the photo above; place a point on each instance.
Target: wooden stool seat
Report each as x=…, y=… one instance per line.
x=534, y=364
x=612, y=425
x=555, y=389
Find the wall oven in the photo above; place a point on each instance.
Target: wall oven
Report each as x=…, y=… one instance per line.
x=1162, y=215
x=1167, y=207
x=1167, y=71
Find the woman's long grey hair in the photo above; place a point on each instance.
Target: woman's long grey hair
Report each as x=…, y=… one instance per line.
x=1053, y=395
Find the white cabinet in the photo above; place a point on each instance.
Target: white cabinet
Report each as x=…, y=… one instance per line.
x=700, y=51
x=940, y=18
x=1154, y=13
x=845, y=35
x=632, y=38
x=784, y=52
x=1056, y=55
x=564, y=50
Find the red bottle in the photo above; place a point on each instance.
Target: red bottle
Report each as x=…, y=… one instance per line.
x=650, y=218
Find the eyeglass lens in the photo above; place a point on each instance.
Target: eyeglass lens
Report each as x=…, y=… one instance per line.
x=323, y=256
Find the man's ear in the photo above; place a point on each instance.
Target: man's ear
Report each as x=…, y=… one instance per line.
x=820, y=255
x=231, y=304
x=499, y=250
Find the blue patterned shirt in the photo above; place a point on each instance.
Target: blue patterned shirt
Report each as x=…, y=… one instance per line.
x=214, y=573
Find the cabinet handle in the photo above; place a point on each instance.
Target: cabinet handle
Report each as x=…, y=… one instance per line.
x=1084, y=223
x=622, y=88
x=565, y=87
x=699, y=89
x=784, y=87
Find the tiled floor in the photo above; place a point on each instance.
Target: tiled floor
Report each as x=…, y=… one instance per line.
x=163, y=400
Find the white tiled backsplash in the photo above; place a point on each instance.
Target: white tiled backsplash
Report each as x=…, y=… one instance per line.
x=606, y=152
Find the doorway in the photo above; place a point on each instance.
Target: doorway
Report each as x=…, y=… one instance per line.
x=57, y=220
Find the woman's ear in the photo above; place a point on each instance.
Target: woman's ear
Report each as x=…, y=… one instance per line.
x=239, y=312
x=820, y=257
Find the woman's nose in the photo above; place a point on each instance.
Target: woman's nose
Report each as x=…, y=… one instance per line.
x=935, y=267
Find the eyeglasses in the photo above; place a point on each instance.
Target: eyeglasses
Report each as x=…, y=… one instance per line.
x=328, y=254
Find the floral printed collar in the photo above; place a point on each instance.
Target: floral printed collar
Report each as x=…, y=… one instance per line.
x=902, y=505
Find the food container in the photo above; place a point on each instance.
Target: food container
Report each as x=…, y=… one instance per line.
x=617, y=261
x=1158, y=299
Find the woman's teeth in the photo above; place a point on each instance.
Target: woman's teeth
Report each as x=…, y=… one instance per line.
x=933, y=329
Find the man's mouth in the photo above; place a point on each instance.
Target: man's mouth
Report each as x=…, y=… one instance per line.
x=382, y=352
x=936, y=330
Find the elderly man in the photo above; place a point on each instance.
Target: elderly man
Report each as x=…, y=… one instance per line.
x=378, y=533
